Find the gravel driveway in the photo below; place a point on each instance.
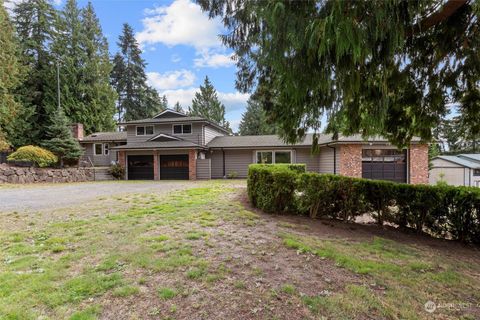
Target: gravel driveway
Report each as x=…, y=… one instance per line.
x=38, y=197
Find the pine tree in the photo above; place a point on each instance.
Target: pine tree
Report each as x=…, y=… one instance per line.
x=12, y=113
x=177, y=107
x=99, y=96
x=33, y=21
x=254, y=120
x=207, y=105
x=59, y=138
x=136, y=100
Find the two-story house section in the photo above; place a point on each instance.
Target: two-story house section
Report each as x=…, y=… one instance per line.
x=173, y=146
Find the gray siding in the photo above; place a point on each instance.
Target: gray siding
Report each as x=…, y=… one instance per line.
x=327, y=160
x=211, y=133
x=196, y=136
x=305, y=156
x=99, y=160
x=238, y=161
x=203, y=169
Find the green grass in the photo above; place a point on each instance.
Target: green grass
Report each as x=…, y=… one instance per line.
x=166, y=293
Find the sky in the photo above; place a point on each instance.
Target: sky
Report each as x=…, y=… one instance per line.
x=180, y=45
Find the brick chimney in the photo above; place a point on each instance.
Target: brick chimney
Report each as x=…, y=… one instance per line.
x=77, y=131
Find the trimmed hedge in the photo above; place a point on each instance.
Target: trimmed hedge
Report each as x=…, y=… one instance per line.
x=442, y=211
x=36, y=155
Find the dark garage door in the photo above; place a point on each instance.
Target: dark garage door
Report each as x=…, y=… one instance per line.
x=384, y=164
x=174, y=167
x=140, y=167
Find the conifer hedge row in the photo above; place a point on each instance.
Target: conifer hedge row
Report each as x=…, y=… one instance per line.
x=442, y=211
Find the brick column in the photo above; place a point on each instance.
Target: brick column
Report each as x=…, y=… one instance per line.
x=156, y=166
x=418, y=164
x=350, y=160
x=122, y=160
x=192, y=164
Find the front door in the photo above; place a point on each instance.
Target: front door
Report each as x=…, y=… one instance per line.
x=174, y=167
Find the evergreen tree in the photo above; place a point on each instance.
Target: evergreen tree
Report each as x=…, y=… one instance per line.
x=372, y=67
x=99, y=96
x=254, y=120
x=12, y=113
x=207, y=105
x=33, y=21
x=177, y=107
x=59, y=138
x=136, y=100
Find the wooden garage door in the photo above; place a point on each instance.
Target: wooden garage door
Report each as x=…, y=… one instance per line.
x=140, y=167
x=384, y=164
x=174, y=167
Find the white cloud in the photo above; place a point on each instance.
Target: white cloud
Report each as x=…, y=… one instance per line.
x=232, y=100
x=181, y=23
x=175, y=58
x=171, y=79
x=214, y=60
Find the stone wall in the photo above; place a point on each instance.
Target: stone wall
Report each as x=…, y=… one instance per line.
x=350, y=160
x=10, y=174
x=418, y=164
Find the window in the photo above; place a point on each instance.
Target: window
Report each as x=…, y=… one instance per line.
x=98, y=149
x=283, y=157
x=144, y=131
x=264, y=157
x=269, y=157
x=182, y=128
x=476, y=172
x=105, y=149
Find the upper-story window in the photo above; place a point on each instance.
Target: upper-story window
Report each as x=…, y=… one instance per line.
x=182, y=128
x=144, y=130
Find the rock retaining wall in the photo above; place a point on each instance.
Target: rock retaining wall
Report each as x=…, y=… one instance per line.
x=10, y=174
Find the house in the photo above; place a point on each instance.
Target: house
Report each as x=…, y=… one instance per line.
x=172, y=145
x=459, y=170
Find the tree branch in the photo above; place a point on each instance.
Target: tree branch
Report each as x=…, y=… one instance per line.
x=447, y=10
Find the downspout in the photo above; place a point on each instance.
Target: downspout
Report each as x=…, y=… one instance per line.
x=334, y=158
x=223, y=160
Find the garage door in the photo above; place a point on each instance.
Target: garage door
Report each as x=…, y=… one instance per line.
x=174, y=167
x=140, y=167
x=384, y=164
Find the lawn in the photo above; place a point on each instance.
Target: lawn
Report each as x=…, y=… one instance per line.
x=203, y=253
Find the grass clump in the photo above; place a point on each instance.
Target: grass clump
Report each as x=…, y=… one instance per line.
x=166, y=293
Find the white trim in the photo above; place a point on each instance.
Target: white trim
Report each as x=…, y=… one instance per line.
x=144, y=130
x=169, y=111
x=273, y=151
x=182, y=124
x=164, y=135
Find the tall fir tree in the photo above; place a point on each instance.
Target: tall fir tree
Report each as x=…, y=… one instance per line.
x=254, y=120
x=207, y=105
x=177, y=107
x=12, y=113
x=59, y=138
x=99, y=96
x=34, y=24
x=136, y=100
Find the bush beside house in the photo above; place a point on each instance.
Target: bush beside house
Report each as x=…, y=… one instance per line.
x=33, y=155
x=442, y=211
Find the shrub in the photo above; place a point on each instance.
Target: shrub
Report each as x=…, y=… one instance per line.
x=117, y=171
x=442, y=211
x=38, y=156
x=232, y=175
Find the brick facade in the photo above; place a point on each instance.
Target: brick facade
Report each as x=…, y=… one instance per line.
x=192, y=164
x=350, y=162
x=156, y=166
x=418, y=164
x=122, y=158
x=77, y=131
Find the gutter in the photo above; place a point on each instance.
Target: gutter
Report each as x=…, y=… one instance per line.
x=334, y=158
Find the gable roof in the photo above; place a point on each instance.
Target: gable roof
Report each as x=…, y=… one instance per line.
x=462, y=161
x=149, y=145
x=106, y=136
x=164, y=137
x=276, y=141
x=169, y=113
x=471, y=156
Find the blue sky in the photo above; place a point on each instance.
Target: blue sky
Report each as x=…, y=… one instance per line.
x=180, y=45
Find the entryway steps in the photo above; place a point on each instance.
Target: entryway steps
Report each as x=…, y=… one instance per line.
x=102, y=174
